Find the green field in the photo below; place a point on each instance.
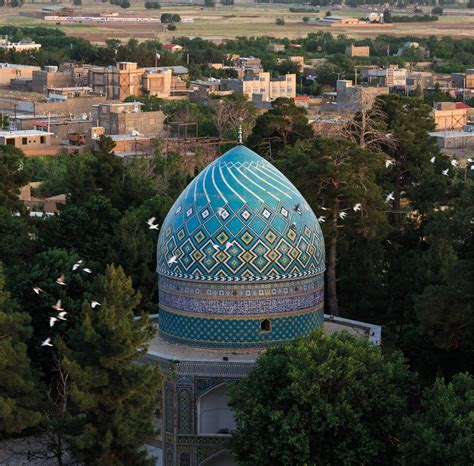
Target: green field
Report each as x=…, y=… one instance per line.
x=228, y=22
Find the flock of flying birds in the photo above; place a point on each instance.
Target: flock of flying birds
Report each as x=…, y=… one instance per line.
x=321, y=219
x=61, y=313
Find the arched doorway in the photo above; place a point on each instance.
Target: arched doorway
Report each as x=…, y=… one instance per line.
x=214, y=413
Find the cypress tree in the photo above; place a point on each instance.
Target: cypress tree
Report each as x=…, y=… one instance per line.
x=112, y=395
x=18, y=398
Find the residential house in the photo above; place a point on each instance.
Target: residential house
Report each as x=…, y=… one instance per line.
x=261, y=84
x=9, y=71
x=32, y=142
x=173, y=48
x=358, y=51
x=127, y=118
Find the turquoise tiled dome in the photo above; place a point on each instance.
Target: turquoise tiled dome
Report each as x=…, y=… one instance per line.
x=240, y=242
x=240, y=219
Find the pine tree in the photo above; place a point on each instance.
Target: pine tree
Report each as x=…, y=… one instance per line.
x=336, y=175
x=112, y=396
x=18, y=398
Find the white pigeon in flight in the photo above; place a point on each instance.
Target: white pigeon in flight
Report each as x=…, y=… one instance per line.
x=37, y=290
x=321, y=219
x=151, y=224
x=389, y=198
x=76, y=265
x=432, y=160
x=470, y=160
x=60, y=280
x=342, y=215
x=388, y=163
x=52, y=321
x=357, y=207
x=61, y=315
x=87, y=270
x=216, y=247
x=172, y=260
x=57, y=306
x=454, y=163
x=445, y=172
x=94, y=304
x=47, y=342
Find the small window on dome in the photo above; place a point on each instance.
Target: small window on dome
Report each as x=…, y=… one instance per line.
x=265, y=325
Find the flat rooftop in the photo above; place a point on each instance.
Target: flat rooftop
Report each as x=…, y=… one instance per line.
x=452, y=134
x=128, y=137
x=24, y=132
x=13, y=65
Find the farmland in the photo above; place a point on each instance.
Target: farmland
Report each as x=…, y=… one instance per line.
x=228, y=22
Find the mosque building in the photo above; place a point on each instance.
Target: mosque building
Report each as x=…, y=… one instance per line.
x=241, y=263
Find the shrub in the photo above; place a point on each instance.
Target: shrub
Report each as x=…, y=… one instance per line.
x=152, y=5
x=280, y=21
x=170, y=18
x=171, y=27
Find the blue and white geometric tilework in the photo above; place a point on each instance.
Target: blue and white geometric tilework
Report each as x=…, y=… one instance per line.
x=239, y=246
x=240, y=219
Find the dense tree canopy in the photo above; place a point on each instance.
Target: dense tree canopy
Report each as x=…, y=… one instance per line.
x=442, y=432
x=323, y=400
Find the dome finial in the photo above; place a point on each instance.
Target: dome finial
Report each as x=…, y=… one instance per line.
x=239, y=137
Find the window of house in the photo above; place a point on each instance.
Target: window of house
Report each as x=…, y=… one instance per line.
x=10, y=141
x=265, y=325
x=24, y=141
x=42, y=139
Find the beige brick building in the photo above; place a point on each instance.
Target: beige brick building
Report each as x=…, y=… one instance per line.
x=352, y=98
x=358, y=51
x=31, y=142
x=50, y=77
x=261, y=84
x=448, y=117
x=127, y=118
x=10, y=71
x=126, y=79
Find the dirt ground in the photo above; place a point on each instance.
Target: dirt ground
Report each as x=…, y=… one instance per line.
x=229, y=22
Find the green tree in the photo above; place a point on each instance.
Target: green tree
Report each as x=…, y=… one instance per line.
x=387, y=16
x=336, y=175
x=133, y=247
x=416, y=182
x=282, y=125
x=15, y=245
x=85, y=227
x=18, y=395
x=442, y=432
x=113, y=397
x=42, y=271
x=444, y=308
x=13, y=175
x=323, y=400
